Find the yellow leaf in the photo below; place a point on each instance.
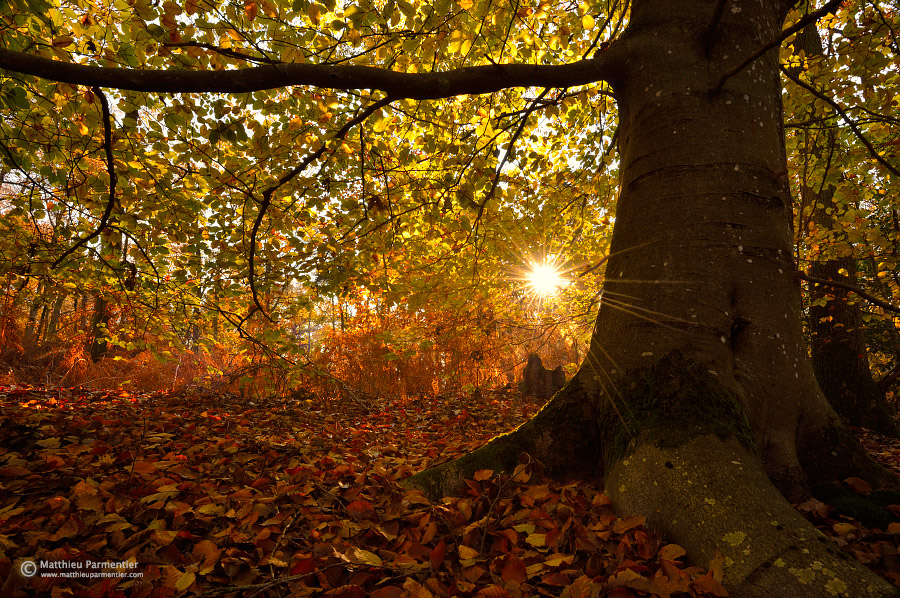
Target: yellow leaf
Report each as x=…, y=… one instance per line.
x=483, y=474
x=466, y=552
x=558, y=559
x=185, y=581
x=207, y=552
x=717, y=566
x=83, y=129
x=587, y=21
x=844, y=529
x=358, y=556
x=466, y=4
x=315, y=13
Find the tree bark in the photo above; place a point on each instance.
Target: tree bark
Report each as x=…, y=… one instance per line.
x=697, y=401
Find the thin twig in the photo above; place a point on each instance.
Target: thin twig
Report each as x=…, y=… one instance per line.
x=287, y=177
x=223, y=51
x=799, y=25
x=837, y=108
x=849, y=287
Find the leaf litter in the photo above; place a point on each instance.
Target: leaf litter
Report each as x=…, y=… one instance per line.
x=216, y=495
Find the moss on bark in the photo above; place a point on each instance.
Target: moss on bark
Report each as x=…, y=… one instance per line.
x=670, y=403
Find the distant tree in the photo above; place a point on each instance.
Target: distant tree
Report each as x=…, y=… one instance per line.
x=840, y=357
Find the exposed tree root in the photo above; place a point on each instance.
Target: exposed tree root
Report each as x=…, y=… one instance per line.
x=684, y=458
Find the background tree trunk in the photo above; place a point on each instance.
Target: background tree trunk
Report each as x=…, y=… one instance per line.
x=839, y=354
x=838, y=350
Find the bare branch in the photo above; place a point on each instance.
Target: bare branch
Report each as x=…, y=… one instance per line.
x=798, y=26
x=850, y=123
x=110, y=169
x=471, y=80
x=223, y=51
x=285, y=178
x=850, y=287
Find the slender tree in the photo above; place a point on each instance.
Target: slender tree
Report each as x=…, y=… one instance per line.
x=838, y=348
x=696, y=402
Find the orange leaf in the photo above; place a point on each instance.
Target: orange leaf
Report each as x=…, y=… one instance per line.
x=430, y=532
x=483, y=474
x=208, y=554
x=858, y=485
x=361, y=509
x=185, y=581
x=492, y=591
x=513, y=570
x=14, y=471
x=670, y=552
x=717, y=566
x=709, y=585
x=623, y=525
x=67, y=530
x=623, y=578
x=844, y=529
x=583, y=587
x=416, y=590
x=556, y=579
x=465, y=552
x=437, y=555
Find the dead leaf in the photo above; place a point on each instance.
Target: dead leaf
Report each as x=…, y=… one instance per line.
x=513, y=570
x=466, y=552
x=858, y=485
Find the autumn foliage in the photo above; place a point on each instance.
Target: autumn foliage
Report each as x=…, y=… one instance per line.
x=218, y=495
x=221, y=495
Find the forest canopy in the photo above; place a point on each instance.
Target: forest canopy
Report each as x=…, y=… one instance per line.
x=253, y=211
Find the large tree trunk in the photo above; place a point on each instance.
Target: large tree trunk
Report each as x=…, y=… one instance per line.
x=697, y=402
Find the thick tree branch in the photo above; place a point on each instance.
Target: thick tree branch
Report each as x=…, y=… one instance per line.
x=471, y=80
x=110, y=169
x=850, y=287
x=798, y=26
x=850, y=123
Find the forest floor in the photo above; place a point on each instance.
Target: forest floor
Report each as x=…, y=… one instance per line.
x=115, y=494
